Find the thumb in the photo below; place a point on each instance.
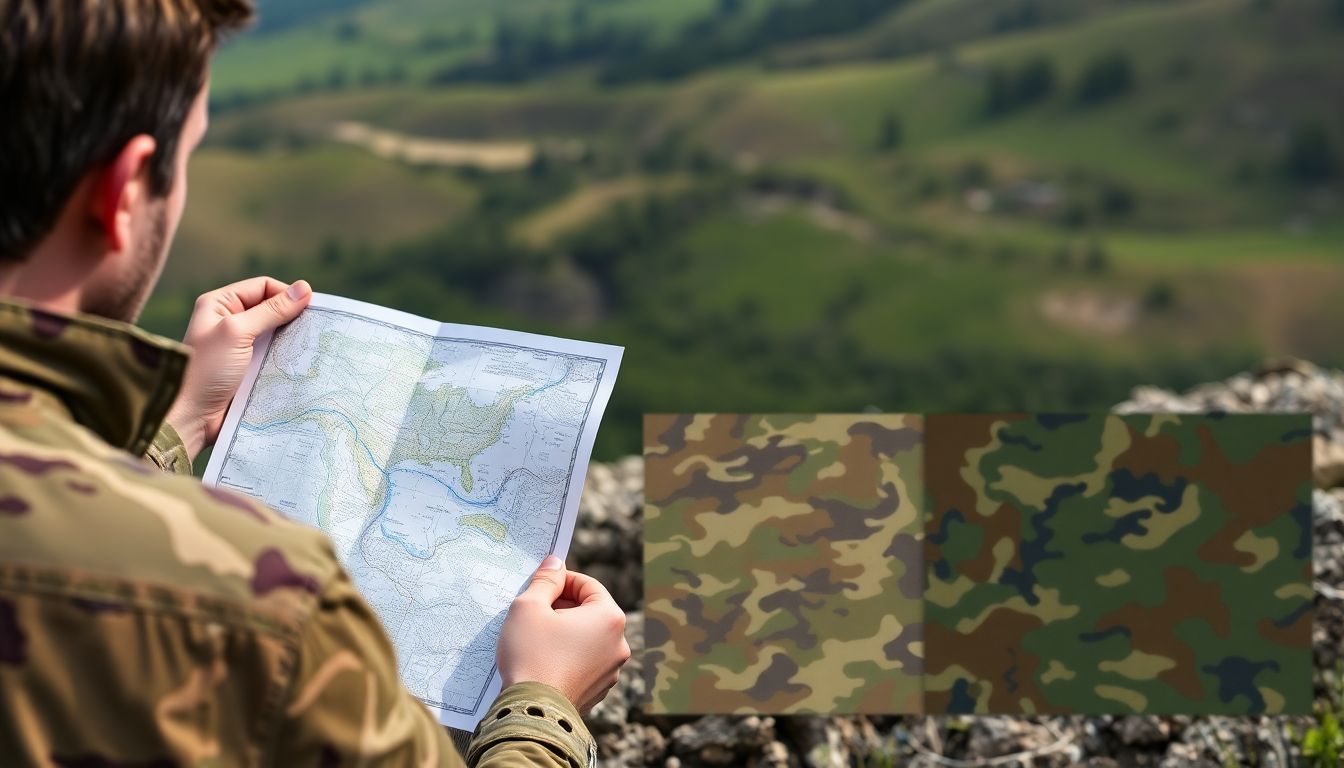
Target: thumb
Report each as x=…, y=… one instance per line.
x=548, y=582
x=277, y=310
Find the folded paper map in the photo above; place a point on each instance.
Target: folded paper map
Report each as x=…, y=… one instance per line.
x=444, y=461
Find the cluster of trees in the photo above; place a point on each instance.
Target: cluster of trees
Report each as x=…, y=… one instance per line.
x=628, y=54
x=337, y=78
x=520, y=52
x=1008, y=89
x=1025, y=15
x=708, y=41
x=1311, y=157
x=1106, y=77
x=282, y=14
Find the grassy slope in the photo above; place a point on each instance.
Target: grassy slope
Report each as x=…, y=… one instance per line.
x=289, y=202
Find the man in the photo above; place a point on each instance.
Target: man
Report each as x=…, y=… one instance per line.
x=146, y=620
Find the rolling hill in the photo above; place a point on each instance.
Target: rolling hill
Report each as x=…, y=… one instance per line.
x=801, y=205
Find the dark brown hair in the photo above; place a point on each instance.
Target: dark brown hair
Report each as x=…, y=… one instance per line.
x=81, y=78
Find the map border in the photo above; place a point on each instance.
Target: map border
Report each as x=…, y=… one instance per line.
x=573, y=457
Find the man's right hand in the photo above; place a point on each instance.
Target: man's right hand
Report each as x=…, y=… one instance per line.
x=564, y=630
x=223, y=327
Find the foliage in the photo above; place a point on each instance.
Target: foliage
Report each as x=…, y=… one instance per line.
x=1106, y=77
x=705, y=43
x=279, y=15
x=1117, y=200
x=1024, y=15
x=1311, y=156
x=1007, y=91
x=891, y=133
x=1323, y=743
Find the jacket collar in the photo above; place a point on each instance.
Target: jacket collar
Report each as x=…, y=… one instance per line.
x=111, y=377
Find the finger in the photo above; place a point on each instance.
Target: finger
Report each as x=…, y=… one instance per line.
x=584, y=589
x=564, y=603
x=547, y=583
x=274, y=312
x=243, y=295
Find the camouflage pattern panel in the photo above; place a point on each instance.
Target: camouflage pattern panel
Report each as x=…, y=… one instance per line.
x=782, y=563
x=1109, y=564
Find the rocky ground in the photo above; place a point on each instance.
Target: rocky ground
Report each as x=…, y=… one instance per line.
x=607, y=545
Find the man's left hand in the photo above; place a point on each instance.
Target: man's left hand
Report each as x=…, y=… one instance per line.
x=223, y=327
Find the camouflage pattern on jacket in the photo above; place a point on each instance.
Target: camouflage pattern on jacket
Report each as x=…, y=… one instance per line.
x=1119, y=564
x=147, y=620
x=782, y=563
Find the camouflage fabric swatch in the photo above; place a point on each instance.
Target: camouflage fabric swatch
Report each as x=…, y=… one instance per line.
x=1118, y=564
x=782, y=563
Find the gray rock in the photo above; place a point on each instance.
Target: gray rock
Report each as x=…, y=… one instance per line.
x=1142, y=731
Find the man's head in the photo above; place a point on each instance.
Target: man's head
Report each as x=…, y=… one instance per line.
x=101, y=104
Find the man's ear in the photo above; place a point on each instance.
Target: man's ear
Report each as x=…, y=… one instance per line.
x=120, y=187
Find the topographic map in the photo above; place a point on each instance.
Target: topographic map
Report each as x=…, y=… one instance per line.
x=444, y=461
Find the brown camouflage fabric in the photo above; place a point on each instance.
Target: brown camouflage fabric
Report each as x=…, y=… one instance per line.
x=149, y=621
x=782, y=563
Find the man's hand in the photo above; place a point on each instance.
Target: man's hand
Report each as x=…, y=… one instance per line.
x=223, y=327
x=567, y=632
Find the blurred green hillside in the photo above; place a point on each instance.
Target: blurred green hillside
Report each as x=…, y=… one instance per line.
x=800, y=205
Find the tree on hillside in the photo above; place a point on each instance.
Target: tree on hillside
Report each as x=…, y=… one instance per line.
x=891, y=134
x=1311, y=157
x=1024, y=16
x=1007, y=91
x=1106, y=77
x=1117, y=200
x=1035, y=80
x=1159, y=297
x=348, y=31
x=998, y=92
x=1098, y=261
x=337, y=78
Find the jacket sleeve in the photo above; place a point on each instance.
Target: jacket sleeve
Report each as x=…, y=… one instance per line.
x=532, y=724
x=168, y=453
x=347, y=706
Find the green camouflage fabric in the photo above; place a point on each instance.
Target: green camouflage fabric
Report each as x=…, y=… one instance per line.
x=1108, y=564
x=149, y=621
x=782, y=563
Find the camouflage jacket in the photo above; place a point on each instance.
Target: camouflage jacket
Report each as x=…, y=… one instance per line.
x=147, y=620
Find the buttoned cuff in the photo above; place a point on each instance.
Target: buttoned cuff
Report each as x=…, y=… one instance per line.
x=168, y=452
x=538, y=713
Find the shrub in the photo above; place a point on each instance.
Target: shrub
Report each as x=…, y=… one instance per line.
x=1035, y=80
x=998, y=91
x=1117, y=200
x=1098, y=260
x=891, y=134
x=1106, y=78
x=1310, y=157
x=1030, y=83
x=1159, y=297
